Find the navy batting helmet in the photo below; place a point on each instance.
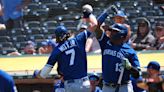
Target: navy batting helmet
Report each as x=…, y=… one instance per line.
x=61, y=33
x=121, y=29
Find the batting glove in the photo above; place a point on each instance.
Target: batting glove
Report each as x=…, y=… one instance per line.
x=87, y=10
x=112, y=7
x=36, y=73
x=126, y=64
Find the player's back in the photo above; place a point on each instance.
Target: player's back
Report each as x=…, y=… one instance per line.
x=72, y=58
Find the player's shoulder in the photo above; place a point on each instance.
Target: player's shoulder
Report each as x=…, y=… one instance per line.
x=128, y=48
x=85, y=33
x=5, y=76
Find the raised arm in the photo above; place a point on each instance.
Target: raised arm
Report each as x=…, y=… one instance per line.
x=100, y=20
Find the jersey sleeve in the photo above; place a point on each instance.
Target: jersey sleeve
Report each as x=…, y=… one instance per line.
x=50, y=63
x=103, y=39
x=53, y=57
x=134, y=59
x=83, y=36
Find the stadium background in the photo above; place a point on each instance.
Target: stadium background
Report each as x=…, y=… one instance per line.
x=42, y=16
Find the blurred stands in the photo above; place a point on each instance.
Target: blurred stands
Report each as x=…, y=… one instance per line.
x=42, y=16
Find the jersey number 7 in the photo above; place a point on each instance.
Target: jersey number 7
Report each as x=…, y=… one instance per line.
x=72, y=52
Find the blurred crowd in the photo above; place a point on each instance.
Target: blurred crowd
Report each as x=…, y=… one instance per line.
x=144, y=38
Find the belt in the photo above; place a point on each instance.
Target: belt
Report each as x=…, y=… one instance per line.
x=114, y=85
x=70, y=81
x=73, y=80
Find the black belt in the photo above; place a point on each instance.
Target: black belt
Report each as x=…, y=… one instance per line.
x=70, y=81
x=114, y=85
x=73, y=80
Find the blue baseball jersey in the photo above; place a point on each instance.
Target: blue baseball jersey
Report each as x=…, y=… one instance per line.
x=10, y=9
x=6, y=82
x=112, y=56
x=71, y=56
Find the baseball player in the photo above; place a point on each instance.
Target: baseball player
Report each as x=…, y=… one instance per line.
x=72, y=61
x=120, y=17
x=6, y=83
x=154, y=82
x=119, y=60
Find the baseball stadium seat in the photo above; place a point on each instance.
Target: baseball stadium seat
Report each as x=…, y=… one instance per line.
x=17, y=31
x=32, y=24
x=4, y=38
x=7, y=44
x=34, y=30
x=20, y=38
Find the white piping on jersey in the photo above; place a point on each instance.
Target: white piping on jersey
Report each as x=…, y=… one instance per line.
x=102, y=36
x=109, y=43
x=85, y=31
x=46, y=70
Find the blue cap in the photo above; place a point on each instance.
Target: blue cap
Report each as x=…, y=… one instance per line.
x=154, y=65
x=94, y=76
x=121, y=14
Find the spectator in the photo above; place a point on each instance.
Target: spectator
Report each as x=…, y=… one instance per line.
x=94, y=80
x=143, y=39
x=14, y=53
x=12, y=12
x=159, y=32
x=47, y=47
x=120, y=17
x=30, y=48
x=6, y=82
x=92, y=44
x=154, y=81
